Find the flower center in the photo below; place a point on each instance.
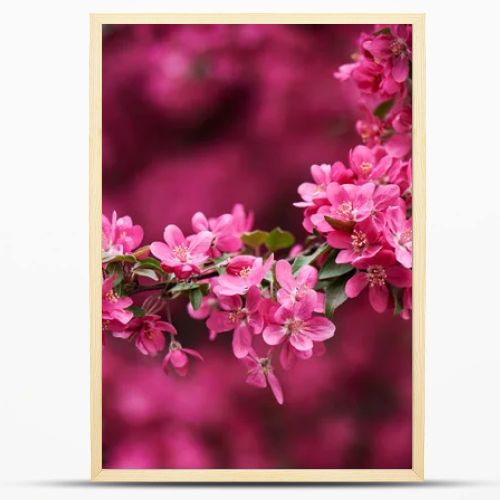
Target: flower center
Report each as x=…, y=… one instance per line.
x=397, y=47
x=245, y=272
x=238, y=315
x=293, y=326
x=181, y=252
x=359, y=241
x=301, y=292
x=345, y=209
x=148, y=331
x=366, y=167
x=376, y=276
x=406, y=237
x=111, y=296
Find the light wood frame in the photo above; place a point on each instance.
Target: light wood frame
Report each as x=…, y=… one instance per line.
x=416, y=473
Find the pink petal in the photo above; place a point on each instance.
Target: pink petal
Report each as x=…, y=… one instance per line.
x=200, y=243
x=275, y=387
x=178, y=358
x=199, y=222
x=273, y=334
x=284, y=275
x=242, y=341
x=378, y=296
x=219, y=322
x=304, y=309
x=400, y=69
x=173, y=236
x=256, y=378
x=161, y=251
x=399, y=276
x=319, y=329
x=287, y=356
x=356, y=285
x=339, y=239
x=193, y=353
x=308, y=275
x=301, y=342
x=253, y=299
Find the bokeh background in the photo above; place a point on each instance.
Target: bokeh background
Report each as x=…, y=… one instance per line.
x=199, y=117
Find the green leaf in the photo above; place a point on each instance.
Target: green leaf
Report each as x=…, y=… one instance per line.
x=195, y=297
x=397, y=295
x=118, y=258
x=254, y=239
x=339, y=224
x=139, y=312
x=278, y=239
x=383, y=31
x=147, y=273
x=149, y=263
x=115, y=268
x=303, y=260
x=334, y=297
x=331, y=269
x=383, y=108
x=183, y=287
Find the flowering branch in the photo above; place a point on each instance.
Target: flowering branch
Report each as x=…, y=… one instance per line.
x=272, y=295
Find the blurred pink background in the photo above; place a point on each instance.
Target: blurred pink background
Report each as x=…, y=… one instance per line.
x=198, y=118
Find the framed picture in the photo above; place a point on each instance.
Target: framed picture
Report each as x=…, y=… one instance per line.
x=257, y=247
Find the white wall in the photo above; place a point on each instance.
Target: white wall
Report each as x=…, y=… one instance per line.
x=44, y=367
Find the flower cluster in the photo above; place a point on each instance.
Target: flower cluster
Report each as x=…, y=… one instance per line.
x=277, y=300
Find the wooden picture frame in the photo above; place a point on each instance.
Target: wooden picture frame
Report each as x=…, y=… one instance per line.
x=416, y=473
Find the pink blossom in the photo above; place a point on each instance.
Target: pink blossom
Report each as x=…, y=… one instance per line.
x=113, y=306
x=180, y=255
x=242, y=273
x=375, y=273
x=120, y=235
x=322, y=176
x=298, y=327
x=370, y=129
x=261, y=373
x=362, y=243
x=366, y=165
x=244, y=320
x=393, y=48
x=384, y=196
x=398, y=233
x=242, y=221
x=147, y=332
x=295, y=289
x=178, y=357
x=224, y=236
x=349, y=203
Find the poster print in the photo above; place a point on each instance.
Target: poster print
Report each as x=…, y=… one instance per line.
x=257, y=247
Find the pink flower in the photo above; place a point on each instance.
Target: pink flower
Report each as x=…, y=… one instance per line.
x=362, y=243
x=349, y=203
x=261, y=373
x=370, y=129
x=375, y=273
x=393, y=48
x=385, y=196
x=398, y=233
x=244, y=320
x=224, y=236
x=113, y=306
x=120, y=235
x=180, y=255
x=322, y=176
x=366, y=165
x=147, y=331
x=295, y=289
x=178, y=357
x=298, y=327
x=242, y=273
x=242, y=221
